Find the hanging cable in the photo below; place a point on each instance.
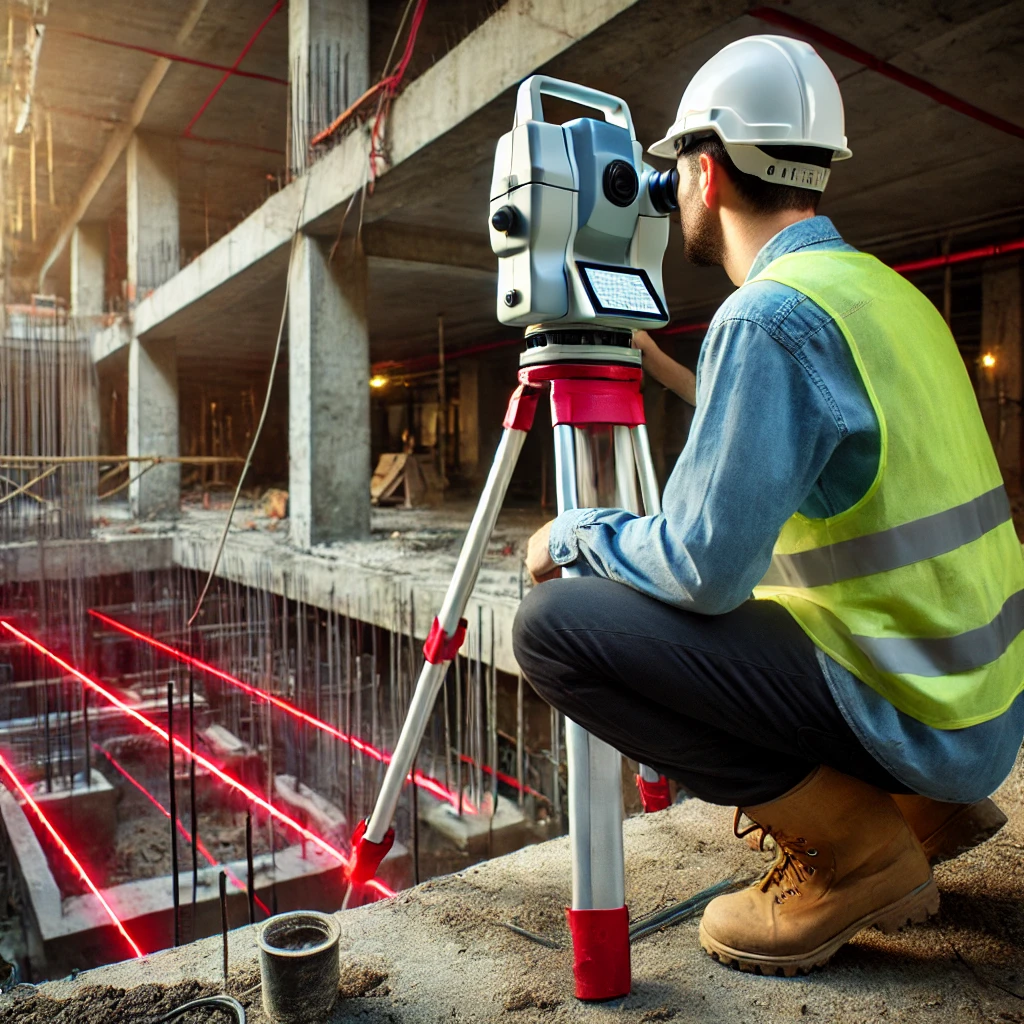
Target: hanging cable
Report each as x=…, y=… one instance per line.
x=266, y=407
x=388, y=86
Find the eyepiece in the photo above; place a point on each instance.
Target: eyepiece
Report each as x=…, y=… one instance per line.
x=621, y=184
x=663, y=189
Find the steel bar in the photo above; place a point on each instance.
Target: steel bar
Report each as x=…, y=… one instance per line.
x=173, y=807
x=222, y=882
x=250, y=874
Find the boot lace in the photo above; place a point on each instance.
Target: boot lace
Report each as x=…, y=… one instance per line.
x=790, y=868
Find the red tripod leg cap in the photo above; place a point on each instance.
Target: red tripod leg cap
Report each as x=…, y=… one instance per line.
x=366, y=856
x=600, y=947
x=655, y=796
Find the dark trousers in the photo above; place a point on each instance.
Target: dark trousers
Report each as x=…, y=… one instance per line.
x=733, y=707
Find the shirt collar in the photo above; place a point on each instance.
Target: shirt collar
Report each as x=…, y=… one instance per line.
x=802, y=234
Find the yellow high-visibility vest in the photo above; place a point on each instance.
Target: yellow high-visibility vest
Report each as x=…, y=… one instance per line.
x=918, y=589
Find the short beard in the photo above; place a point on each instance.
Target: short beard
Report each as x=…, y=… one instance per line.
x=703, y=245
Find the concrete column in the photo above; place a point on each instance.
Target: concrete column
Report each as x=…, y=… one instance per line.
x=88, y=269
x=153, y=425
x=328, y=396
x=1001, y=385
x=329, y=65
x=153, y=244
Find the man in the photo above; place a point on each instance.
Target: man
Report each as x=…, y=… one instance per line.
x=837, y=468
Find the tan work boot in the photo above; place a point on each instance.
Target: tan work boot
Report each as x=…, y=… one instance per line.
x=943, y=830
x=947, y=830
x=846, y=861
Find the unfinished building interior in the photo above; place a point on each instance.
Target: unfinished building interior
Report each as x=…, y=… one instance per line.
x=248, y=243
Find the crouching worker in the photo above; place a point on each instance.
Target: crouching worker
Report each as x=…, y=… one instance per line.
x=861, y=706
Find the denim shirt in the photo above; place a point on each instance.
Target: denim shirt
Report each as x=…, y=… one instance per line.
x=782, y=423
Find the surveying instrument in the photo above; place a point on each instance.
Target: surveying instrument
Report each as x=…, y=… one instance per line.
x=579, y=224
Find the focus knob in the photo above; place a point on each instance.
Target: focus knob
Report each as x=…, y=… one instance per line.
x=504, y=219
x=621, y=184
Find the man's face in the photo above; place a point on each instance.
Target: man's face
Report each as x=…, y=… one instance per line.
x=702, y=230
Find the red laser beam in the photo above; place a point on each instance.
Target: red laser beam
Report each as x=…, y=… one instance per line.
x=425, y=782
x=66, y=850
x=233, y=69
x=201, y=847
x=252, y=797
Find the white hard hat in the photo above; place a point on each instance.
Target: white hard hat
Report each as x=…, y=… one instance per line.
x=765, y=91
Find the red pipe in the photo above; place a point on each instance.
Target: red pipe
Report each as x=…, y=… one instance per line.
x=252, y=797
x=966, y=256
x=72, y=859
x=855, y=53
x=234, y=67
x=176, y=57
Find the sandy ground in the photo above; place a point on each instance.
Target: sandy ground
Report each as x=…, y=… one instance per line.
x=440, y=952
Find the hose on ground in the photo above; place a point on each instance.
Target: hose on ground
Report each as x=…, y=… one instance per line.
x=223, y=1003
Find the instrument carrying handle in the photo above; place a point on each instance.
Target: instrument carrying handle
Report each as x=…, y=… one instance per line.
x=530, y=108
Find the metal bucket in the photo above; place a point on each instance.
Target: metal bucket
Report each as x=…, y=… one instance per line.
x=299, y=969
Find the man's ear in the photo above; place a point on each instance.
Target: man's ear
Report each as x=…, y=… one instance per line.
x=710, y=181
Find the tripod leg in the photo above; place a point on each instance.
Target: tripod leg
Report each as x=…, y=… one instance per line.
x=598, y=920
x=645, y=467
x=373, y=838
x=632, y=453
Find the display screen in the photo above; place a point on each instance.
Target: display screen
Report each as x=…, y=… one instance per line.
x=620, y=290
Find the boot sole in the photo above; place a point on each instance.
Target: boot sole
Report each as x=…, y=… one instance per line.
x=914, y=908
x=967, y=829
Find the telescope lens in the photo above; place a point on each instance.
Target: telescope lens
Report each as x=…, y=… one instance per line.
x=663, y=189
x=621, y=184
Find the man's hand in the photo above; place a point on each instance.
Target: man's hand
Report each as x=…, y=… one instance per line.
x=665, y=370
x=539, y=563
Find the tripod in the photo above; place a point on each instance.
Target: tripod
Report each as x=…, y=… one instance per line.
x=594, y=379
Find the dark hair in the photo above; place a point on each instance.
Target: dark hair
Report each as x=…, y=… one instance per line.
x=762, y=196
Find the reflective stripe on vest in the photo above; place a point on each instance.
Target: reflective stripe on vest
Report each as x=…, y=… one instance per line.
x=947, y=655
x=893, y=548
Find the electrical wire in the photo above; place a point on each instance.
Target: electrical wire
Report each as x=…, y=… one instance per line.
x=225, y=1004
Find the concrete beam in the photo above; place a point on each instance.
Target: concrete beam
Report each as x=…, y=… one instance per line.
x=343, y=583
x=82, y=559
x=402, y=243
x=116, y=144
x=507, y=47
x=110, y=340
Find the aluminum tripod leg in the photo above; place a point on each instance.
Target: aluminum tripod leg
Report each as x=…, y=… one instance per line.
x=598, y=920
x=373, y=838
x=653, y=788
x=632, y=454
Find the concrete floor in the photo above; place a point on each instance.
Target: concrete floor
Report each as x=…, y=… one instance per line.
x=447, y=957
